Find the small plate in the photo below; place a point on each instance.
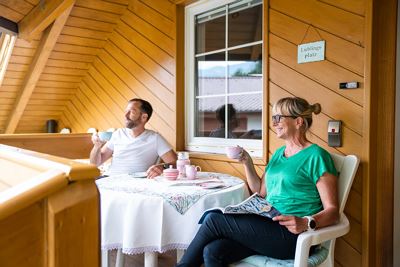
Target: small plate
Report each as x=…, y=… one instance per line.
x=138, y=174
x=212, y=185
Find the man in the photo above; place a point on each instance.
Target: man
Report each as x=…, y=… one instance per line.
x=233, y=122
x=134, y=148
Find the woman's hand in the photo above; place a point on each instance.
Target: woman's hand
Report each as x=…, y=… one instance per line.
x=295, y=225
x=245, y=158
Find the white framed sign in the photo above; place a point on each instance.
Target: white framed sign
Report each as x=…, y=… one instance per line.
x=311, y=52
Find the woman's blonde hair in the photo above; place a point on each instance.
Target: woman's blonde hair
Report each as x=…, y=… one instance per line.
x=297, y=107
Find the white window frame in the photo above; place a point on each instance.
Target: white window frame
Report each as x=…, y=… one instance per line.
x=207, y=144
x=7, y=42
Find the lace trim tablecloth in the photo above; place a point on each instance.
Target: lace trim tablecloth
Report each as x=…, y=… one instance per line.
x=180, y=194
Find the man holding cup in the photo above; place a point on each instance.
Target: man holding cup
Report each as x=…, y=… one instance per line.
x=133, y=148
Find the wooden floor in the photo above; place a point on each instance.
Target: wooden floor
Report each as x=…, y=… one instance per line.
x=167, y=259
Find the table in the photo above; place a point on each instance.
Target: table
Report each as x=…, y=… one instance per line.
x=148, y=216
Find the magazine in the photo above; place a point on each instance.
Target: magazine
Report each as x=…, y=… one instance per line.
x=255, y=204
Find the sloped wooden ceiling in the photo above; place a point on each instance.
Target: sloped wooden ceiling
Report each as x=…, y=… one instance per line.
x=86, y=30
x=137, y=61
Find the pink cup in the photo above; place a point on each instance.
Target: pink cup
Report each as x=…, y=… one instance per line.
x=191, y=171
x=233, y=152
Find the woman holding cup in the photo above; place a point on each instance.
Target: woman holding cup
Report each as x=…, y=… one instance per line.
x=300, y=181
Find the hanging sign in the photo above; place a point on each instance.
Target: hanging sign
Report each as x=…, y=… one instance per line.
x=311, y=52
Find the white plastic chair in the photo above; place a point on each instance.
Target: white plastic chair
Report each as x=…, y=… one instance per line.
x=347, y=168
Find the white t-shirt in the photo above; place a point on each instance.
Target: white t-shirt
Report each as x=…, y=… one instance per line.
x=135, y=154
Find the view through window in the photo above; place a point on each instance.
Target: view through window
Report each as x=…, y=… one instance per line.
x=228, y=71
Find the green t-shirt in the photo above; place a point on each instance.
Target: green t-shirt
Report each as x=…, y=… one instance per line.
x=291, y=182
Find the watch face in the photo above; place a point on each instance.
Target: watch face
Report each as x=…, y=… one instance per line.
x=313, y=224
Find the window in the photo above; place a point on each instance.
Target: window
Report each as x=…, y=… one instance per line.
x=224, y=82
x=7, y=42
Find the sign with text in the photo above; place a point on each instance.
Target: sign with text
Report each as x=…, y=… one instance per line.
x=311, y=52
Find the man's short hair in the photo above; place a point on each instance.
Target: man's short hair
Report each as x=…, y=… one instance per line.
x=220, y=113
x=145, y=106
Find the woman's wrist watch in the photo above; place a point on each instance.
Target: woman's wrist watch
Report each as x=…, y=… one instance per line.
x=311, y=223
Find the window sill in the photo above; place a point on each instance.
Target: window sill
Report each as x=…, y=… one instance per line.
x=222, y=157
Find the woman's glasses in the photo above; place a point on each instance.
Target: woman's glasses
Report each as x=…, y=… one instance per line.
x=277, y=118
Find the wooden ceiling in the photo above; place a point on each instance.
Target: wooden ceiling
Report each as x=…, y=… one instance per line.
x=49, y=60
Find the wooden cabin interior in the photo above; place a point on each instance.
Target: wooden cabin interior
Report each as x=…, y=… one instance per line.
x=78, y=62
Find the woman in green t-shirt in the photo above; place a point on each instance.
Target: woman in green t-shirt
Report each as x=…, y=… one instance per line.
x=300, y=181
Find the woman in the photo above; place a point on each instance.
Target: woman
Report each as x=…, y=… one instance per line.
x=300, y=181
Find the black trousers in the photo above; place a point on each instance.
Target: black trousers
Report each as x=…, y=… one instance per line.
x=224, y=238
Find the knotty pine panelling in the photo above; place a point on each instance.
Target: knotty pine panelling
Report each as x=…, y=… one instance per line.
x=341, y=24
x=16, y=10
x=138, y=60
x=115, y=50
x=85, y=34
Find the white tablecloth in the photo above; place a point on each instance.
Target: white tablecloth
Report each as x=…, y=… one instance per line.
x=141, y=215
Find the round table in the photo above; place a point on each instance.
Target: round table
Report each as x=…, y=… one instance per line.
x=147, y=216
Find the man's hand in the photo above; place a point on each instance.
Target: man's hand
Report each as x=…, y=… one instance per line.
x=295, y=225
x=96, y=141
x=154, y=171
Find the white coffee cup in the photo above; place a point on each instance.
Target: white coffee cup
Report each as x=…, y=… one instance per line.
x=104, y=136
x=234, y=152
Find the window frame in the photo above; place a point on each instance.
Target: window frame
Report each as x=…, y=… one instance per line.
x=7, y=42
x=210, y=144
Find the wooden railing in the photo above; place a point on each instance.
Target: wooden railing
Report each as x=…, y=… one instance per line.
x=49, y=210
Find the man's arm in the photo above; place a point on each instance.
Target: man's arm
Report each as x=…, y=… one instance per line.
x=99, y=153
x=156, y=170
x=169, y=157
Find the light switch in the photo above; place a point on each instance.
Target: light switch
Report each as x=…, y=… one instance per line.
x=333, y=126
x=334, y=133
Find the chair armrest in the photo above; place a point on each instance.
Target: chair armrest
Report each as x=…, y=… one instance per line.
x=308, y=239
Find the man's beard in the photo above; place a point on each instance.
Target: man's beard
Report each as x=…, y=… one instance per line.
x=130, y=124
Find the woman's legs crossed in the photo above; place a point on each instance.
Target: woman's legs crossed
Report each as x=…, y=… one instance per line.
x=221, y=252
x=260, y=235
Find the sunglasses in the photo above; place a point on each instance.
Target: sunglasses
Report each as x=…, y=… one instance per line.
x=277, y=118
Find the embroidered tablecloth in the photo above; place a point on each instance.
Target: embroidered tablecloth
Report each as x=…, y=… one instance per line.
x=143, y=215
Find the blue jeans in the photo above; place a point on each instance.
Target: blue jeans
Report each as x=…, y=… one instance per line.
x=225, y=238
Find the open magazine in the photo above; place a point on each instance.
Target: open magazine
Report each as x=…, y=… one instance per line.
x=255, y=204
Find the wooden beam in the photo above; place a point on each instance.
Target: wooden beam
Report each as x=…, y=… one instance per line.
x=379, y=133
x=43, y=51
x=41, y=17
x=183, y=2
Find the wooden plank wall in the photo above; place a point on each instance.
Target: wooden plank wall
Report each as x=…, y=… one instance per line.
x=137, y=61
x=113, y=50
x=82, y=38
x=71, y=146
x=341, y=24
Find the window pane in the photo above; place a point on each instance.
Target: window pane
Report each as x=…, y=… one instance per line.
x=208, y=124
x=210, y=78
x=244, y=26
x=245, y=69
x=246, y=116
x=210, y=32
